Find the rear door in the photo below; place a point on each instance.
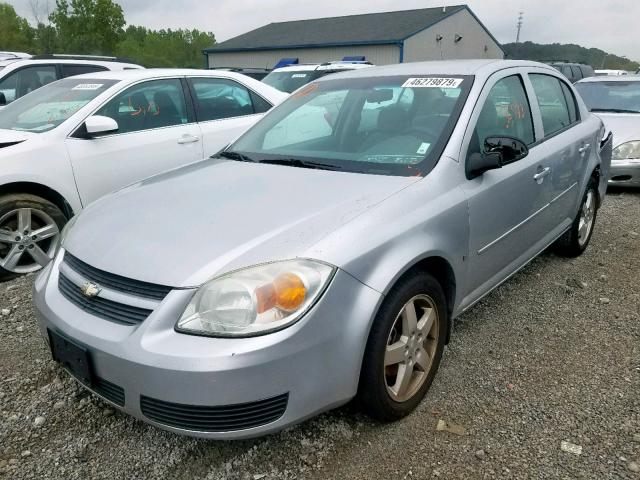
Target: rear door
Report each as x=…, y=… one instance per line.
x=508, y=221
x=224, y=109
x=568, y=142
x=157, y=132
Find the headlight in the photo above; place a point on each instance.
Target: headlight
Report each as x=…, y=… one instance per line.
x=67, y=227
x=256, y=300
x=626, y=151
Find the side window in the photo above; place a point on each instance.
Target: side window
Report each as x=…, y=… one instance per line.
x=153, y=104
x=577, y=73
x=260, y=105
x=506, y=113
x=571, y=103
x=26, y=80
x=71, y=70
x=553, y=104
x=219, y=98
x=566, y=71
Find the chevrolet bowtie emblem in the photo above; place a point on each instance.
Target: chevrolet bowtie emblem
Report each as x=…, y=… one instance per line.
x=90, y=289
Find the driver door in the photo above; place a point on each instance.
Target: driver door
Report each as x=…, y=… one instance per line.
x=507, y=205
x=155, y=133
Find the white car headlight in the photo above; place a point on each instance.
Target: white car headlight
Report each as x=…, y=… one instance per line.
x=626, y=151
x=256, y=300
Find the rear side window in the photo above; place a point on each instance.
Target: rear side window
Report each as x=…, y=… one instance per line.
x=566, y=71
x=571, y=103
x=71, y=70
x=577, y=73
x=505, y=113
x=220, y=98
x=552, y=102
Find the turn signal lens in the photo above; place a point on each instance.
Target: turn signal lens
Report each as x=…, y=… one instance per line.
x=290, y=291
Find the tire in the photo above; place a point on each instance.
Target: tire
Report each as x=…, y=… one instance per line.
x=380, y=391
x=18, y=251
x=575, y=240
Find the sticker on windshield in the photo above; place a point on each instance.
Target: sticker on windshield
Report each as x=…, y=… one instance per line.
x=299, y=75
x=433, y=82
x=87, y=86
x=423, y=148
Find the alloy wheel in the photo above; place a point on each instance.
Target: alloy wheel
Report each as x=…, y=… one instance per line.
x=411, y=348
x=28, y=240
x=587, y=216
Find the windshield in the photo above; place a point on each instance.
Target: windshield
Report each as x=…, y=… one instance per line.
x=614, y=96
x=291, y=81
x=47, y=107
x=384, y=125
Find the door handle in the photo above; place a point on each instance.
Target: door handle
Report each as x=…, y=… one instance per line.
x=188, y=139
x=539, y=177
x=584, y=148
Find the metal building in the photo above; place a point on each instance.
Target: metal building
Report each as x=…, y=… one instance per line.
x=382, y=38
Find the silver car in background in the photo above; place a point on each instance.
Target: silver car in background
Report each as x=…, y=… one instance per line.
x=325, y=254
x=616, y=100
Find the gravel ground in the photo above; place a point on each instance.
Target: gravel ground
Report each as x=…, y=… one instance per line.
x=553, y=355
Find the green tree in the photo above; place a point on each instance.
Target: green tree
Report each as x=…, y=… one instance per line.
x=88, y=26
x=15, y=32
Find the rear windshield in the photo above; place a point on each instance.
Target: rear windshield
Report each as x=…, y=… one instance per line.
x=291, y=81
x=47, y=107
x=618, y=96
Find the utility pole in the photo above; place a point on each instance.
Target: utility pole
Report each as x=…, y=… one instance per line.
x=519, y=24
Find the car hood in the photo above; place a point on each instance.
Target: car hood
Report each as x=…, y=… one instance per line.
x=625, y=126
x=13, y=137
x=188, y=225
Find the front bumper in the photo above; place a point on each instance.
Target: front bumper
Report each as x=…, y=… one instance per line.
x=625, y=173
x=314, y=364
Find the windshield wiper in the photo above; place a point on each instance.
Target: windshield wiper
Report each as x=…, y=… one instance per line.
x=614, y=110
x=240, y=157
x=296, y=162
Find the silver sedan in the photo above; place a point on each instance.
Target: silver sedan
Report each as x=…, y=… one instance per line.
x=326, y=253
x=616, y=100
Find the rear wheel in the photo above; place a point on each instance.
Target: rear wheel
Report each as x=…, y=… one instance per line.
x=576, y=239
x=30, y=229
x=404, y=348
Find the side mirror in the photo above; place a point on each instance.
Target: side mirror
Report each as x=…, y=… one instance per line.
x=3, y=100
x=97, y=125
x=498, y=152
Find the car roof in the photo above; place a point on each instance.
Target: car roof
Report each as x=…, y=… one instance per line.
x=49, y=61
x=142, y=74
x=481, y=67
x=305, y=67
x=612, y=78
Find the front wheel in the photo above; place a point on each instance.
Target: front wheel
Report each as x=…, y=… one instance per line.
x=575, y=240
x=404, y=348
x=29, y=233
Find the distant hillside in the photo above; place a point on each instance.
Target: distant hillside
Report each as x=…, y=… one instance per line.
x=568, y=52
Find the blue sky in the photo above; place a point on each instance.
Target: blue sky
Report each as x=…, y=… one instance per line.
x=607, y=24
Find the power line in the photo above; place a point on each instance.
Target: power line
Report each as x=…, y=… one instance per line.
x=519, y=24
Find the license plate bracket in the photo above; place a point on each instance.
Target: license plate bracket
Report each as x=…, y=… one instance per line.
x=72, y=356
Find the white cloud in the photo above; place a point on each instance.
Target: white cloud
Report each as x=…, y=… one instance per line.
x=607, y=24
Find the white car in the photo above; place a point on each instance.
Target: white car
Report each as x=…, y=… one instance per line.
x=74, y=140
x=20, y=75
x=290, y=78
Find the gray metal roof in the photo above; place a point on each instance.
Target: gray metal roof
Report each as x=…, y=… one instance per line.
x=366, y=29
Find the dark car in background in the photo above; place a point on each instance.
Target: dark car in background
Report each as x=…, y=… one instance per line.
x=574, y=71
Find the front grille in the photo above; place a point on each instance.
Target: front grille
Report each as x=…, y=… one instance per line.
x=116, y=282
x=101, y=307
x=215, y=419
x=108, y=390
